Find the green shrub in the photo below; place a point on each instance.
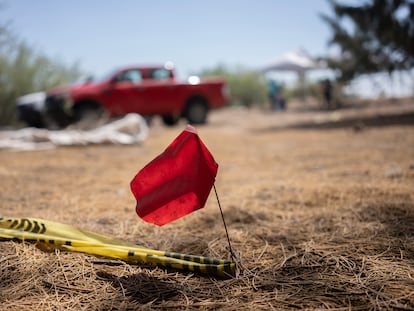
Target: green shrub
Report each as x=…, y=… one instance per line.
x=24, y=70
x=247, y=87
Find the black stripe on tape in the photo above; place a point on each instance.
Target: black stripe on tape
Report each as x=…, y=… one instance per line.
x=197, y=268
x=36, y=227
x=22, y=223
x=43, y=229
x=14, y=223
x=29, y=226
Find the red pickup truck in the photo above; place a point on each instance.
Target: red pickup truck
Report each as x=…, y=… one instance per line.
x=147, y=90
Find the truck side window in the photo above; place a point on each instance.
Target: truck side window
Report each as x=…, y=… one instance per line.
x=159, y=74
x=133, y=76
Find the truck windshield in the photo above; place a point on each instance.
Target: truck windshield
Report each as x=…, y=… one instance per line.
x=106, y=76
x=159, y=74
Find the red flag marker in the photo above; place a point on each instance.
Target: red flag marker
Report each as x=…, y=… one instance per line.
x=177, y=182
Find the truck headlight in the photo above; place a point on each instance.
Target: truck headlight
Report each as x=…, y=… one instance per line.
x=194, y=80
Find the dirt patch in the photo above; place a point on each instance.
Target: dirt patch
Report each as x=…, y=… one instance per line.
x=320, y=216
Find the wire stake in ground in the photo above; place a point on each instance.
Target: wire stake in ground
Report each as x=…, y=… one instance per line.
x=232, y=254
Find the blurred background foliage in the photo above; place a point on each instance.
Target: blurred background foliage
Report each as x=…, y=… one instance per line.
x=247, y=87
x=24, y=70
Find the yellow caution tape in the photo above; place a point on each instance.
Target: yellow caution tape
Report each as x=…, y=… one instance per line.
x=49, y=235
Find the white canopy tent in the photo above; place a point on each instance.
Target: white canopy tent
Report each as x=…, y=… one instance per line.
x=298, y=61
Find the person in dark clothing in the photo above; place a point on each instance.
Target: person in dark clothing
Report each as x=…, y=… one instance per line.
x=277, y=102
x=327, y=94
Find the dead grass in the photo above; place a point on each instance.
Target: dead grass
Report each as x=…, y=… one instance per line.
x=320, y=218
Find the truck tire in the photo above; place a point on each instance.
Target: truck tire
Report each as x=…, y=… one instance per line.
x=196, y=111
x=55, y=116
x=170, y=119
x=89, y=115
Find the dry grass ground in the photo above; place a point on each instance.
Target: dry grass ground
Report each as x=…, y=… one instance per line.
x=319, y=207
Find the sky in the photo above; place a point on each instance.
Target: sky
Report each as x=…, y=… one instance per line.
x=195, y=35
x=103, y=34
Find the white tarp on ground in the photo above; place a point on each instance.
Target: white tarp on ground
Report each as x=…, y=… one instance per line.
x=131, y=129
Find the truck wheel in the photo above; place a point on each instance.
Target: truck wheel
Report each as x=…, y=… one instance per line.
x=196, y=111
x=55, y=117
x=170, y=119
x=89, y=115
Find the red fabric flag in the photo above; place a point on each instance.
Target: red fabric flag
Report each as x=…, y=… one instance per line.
x=177, y=182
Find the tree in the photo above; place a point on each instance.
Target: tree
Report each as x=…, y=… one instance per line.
x=24, y=70
x=375, y=36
